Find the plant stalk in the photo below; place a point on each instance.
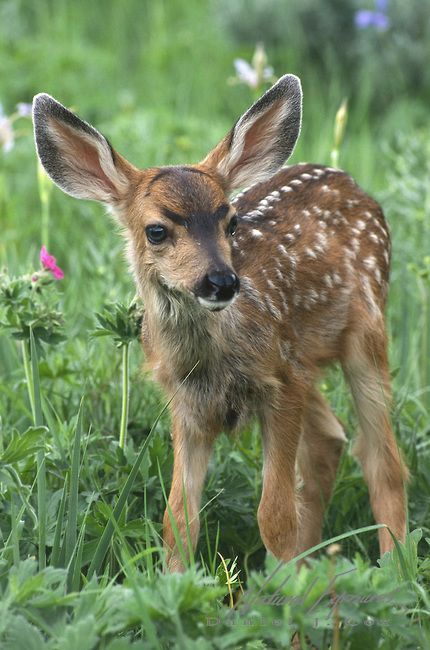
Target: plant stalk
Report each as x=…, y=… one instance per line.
x=41, y=468
x=125, y=395
x=28, y=377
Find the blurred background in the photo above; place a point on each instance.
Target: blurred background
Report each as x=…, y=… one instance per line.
x=164, y=81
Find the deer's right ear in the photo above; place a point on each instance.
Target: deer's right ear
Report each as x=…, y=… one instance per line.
x=77, y=157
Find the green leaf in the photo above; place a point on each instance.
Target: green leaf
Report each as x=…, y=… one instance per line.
x=21, y=635
x=23, y=445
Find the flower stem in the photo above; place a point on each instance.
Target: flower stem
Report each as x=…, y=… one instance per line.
x=45, y=224
x=15, y=525
x=28, y=377
x=125, y=395
x=41, y=469
x=45, y=188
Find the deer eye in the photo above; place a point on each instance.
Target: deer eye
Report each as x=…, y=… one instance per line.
x=156, y=233
x=231, y=228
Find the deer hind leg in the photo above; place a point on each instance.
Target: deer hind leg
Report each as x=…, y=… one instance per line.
x=366, y=369
x=319, y=453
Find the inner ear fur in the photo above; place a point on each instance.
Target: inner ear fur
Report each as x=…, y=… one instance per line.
x=77, y=157
x=262, y=139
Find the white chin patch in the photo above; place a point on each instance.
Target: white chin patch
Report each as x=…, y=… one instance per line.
x=214, y=305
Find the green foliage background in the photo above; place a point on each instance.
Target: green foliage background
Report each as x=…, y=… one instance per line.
x=152, y=76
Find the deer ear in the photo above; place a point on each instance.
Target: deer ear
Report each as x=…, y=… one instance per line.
x=262, y=139
x=76, y=156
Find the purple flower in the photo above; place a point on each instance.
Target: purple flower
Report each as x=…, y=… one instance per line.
x=377, y=19
x=24, y=109
x=7, y=137
x=381, y=5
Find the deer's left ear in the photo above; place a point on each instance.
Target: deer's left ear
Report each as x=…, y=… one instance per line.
x=262, y=139
x=77, y=157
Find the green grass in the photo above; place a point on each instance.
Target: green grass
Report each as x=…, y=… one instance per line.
x=153, y=77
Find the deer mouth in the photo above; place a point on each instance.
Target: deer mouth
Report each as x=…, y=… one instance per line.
x=215, y=305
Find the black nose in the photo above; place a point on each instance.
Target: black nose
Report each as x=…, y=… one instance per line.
x=221, y=285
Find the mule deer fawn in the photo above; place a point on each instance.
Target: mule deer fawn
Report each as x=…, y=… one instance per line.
x=260, y=291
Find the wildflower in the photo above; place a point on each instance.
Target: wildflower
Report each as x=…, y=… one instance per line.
x=333, y=549
x=50, y=264
x=256, y=73
x=23, y=109
x=7, y=137
x=378, y=19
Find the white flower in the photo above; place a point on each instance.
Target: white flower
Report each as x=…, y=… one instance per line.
x=245, y=73
x=256, y=73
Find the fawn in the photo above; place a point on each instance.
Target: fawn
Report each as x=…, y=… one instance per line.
x=260, y=292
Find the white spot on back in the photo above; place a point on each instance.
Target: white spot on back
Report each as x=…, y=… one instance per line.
x=256, y=233
x=327, y=280
x=355, y=245
x=351, y=203
x=310, y=253
x=369, y=263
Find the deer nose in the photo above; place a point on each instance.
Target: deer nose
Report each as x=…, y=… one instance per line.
x=223, y=280
x=220, y=286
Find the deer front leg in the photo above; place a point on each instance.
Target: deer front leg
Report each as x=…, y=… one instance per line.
x=277, y=516
x=191, y=453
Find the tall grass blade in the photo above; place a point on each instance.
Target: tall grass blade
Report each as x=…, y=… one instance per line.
x=72, y=518
x=74, y=577
x=56, y=547
x=309, y=551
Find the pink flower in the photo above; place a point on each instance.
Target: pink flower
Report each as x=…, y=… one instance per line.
x=50, y=263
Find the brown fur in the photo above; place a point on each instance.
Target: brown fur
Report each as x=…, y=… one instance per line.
x=262, y=355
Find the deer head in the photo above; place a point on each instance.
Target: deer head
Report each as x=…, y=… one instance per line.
x=178, y=220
